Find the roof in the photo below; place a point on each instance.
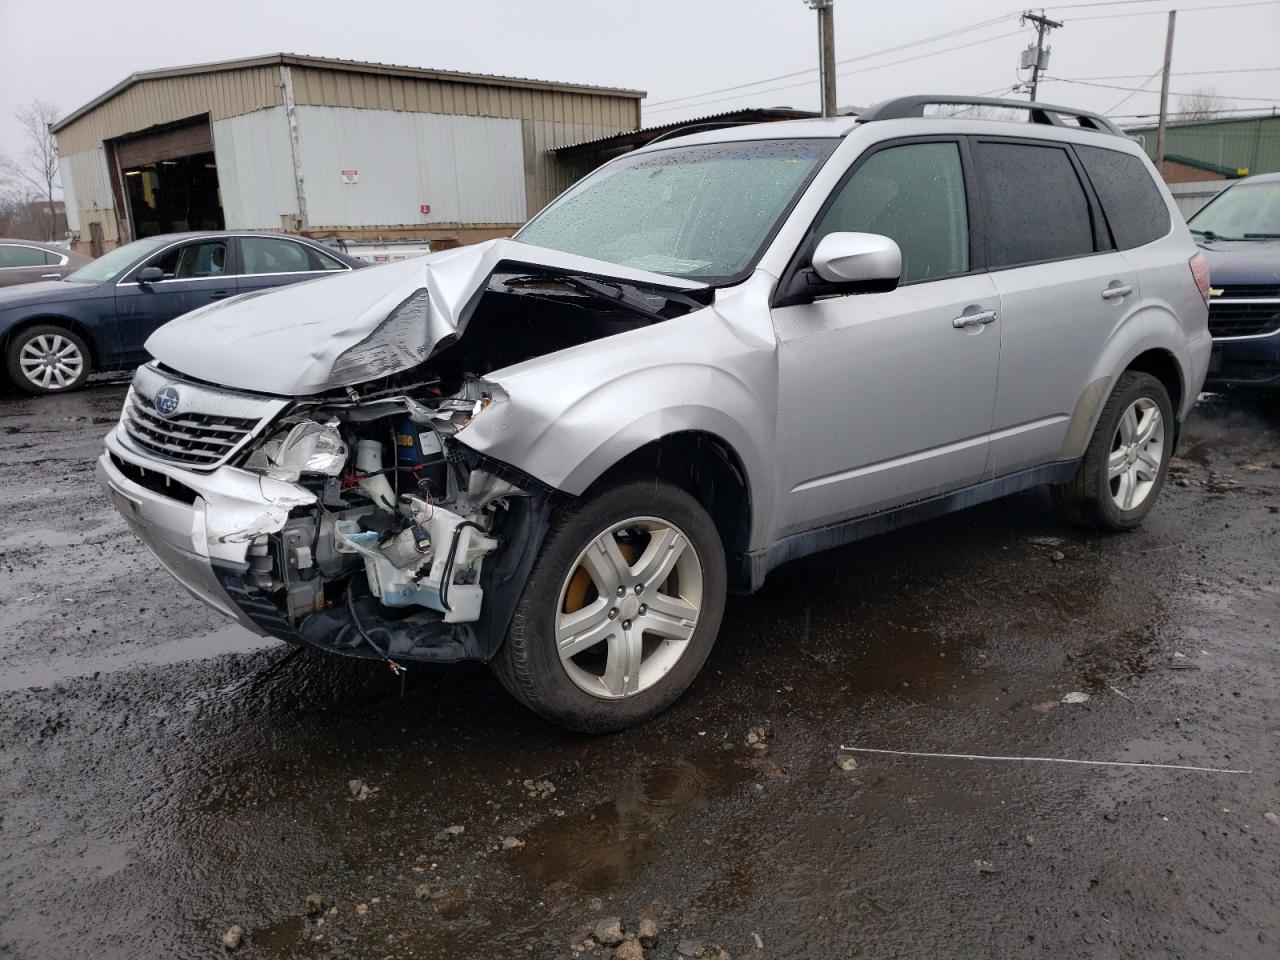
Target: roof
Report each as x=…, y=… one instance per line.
x=333, y=63
x=631, y=139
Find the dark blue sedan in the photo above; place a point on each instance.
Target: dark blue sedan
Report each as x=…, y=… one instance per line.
x=55, y=334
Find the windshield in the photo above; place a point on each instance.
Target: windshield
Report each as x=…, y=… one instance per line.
x=702, y=212
x=111, y=264
x=1247, y=211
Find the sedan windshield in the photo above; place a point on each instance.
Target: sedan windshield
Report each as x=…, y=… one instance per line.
x=703, y=212
x=1247, y=211
x=111, y=264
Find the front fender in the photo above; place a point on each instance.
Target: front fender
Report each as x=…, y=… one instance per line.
x=568, y=417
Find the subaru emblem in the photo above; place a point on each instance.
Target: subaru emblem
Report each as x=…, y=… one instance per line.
x=166, y=401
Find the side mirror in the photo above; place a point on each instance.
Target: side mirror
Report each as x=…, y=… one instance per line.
x=150, y=275
x=858, y=262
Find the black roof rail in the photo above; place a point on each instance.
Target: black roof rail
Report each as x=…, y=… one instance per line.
x=900, y=108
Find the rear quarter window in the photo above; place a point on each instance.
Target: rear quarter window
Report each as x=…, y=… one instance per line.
x=1131, y=202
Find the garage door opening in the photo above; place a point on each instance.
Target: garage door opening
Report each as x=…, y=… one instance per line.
x=167, y=179
x=171, y=196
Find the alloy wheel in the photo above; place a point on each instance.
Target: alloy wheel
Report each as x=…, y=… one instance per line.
x=51, y=361
x=628, y=607
x=1137, y=452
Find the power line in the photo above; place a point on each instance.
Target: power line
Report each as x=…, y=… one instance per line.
x=1132, y=93
x=1176, y=93
x=1152, y=13
x=839, y=63
x=1180, y=73
x=846, y=73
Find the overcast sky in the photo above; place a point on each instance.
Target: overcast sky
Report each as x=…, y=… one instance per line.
x=70, y=52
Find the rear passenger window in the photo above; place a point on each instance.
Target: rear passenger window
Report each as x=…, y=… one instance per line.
x=269, y=255
x=913, y=194
x=1036, y=206
x=1133, y=205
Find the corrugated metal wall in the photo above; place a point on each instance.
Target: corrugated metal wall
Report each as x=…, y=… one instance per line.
x=255, y=169
x=222, y=94
x=470, y=170
x=545, y=116
x=87, y=184
x=1252, y=142
x=552, y=117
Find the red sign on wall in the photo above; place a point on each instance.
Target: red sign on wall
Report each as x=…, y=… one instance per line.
x=424, y=208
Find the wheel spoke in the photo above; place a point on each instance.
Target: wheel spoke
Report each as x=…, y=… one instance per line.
x=659, y=557
x=606, y=564
x=670, y=617
x=1129, y=425
x=1148, y=466
x=1131, y=488
x=1117, y=463
x=583, y=628
x=622, y=668
x=1149, y=426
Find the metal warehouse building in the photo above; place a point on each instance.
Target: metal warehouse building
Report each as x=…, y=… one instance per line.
x=326, y=148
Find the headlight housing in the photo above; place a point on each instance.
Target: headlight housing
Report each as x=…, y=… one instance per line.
x=314, y=448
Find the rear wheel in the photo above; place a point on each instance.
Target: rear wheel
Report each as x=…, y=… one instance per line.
x=48, y=359
x=620, y=611
x=1125, y=464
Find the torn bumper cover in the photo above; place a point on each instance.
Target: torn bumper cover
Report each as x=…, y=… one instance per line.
x=220, y=533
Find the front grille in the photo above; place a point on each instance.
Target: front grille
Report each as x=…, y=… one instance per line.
x=1259, y=290
x=1227, y=319
x=195, y=439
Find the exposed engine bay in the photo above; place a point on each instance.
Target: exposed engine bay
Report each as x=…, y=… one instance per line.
x=416, y=547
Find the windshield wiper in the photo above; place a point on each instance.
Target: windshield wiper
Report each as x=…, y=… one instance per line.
x=1262, y=236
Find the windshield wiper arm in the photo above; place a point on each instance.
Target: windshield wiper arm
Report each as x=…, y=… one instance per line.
x=1262, y=236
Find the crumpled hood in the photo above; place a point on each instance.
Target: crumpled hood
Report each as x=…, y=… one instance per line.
x=286, y=341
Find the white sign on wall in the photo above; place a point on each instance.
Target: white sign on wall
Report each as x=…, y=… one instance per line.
x=350, y=176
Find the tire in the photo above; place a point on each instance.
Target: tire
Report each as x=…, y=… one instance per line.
x=48, y=359
x=616, y=679
x=1122, y=473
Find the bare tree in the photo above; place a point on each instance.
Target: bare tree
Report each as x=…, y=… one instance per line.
x=37, y=166
x=1202, y=103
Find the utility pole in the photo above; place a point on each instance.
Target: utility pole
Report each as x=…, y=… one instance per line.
x=1041, y=57
x=826, y=53
x=1164, y=90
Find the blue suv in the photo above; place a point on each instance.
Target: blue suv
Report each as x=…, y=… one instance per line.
x=1239, y=231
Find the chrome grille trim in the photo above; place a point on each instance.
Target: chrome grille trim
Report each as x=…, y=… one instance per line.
x=209, y=427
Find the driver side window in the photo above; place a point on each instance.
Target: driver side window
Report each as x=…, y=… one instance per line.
x=913, y=194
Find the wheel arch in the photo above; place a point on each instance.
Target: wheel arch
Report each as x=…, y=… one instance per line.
x=1163, y=365
x=707, y=467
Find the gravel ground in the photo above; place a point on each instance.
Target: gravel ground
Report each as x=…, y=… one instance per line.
x=165, y=777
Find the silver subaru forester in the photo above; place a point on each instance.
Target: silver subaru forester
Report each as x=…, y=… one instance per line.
x=558, y=453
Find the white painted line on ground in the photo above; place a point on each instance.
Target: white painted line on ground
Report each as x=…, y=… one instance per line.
x=1092, y=763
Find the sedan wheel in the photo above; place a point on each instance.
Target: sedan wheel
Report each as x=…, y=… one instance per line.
x=629, y=607
x=48, y=359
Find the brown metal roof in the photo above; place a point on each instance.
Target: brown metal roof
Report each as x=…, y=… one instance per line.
x=351, y=66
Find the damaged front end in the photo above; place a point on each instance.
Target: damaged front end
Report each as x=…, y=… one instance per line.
x=310, y=475
x=413, y=548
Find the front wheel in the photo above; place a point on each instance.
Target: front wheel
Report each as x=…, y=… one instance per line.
x=620, y=610
x=1125, y=464
x=48, y=359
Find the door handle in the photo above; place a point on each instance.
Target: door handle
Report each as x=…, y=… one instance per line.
x=219, y=294
x=1117, y=293
x=974, y=319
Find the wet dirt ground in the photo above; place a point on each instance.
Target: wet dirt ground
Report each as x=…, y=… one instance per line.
x=164, y=776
